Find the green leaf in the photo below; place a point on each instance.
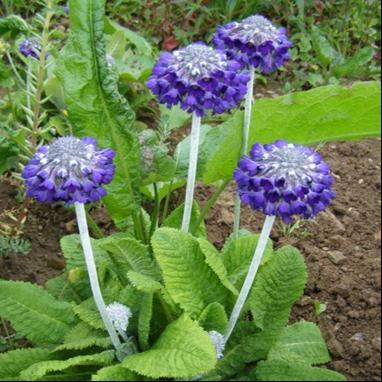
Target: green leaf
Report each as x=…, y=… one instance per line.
x=276, y=370
x=141, y=44
x=322, y=114
x=144, y=320
x=13, y=25
x=164, y=188
x=303, y=339
x=356, y=65
x=115, y=373
x=83, y=336
x=174, y=220
x=143, y=283
x=88, y=313
x=42, y=369
x=215, y=261
x=8, y=155
x=34, y=313
x=129, y=254
x=15, y=361
x=183, y=350
x=214, y=317
x=325, y=51
x=173, y=118
x=237, y=255
x=189, y=280
x=277, y=287
x=96, y=108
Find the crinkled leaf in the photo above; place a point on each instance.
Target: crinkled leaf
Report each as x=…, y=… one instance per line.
x=214, y=317
x=34, y=313
x=183, y=350
x=322, y=114
x=94, y=105
x=189, y=280
x=115, y=373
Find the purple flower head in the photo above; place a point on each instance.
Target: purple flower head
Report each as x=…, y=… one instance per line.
x=255, y=42
x=282, y=179
x=30, y=48
x=69, y=170
x=199, y=78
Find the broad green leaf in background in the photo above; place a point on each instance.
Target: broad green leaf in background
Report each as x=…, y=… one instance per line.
x=214, y=317
x=13, y=25
x=189, y=280
x=174, y=220
x=325, y=51
x=303, y=339
x=183, y=350
x=94, y=105
x=41, y=369
x=237, y=255
x=173, y=118
x=356, y=65
x=34, y=313
x=13, y=362
x=8, y=155
x=115, y=373
x=140, y=43
x=278, y=370
x=323, y=114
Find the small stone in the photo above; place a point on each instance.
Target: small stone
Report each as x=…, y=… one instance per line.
x=376, y=343
x=70, y=226
x=354, y=314
x=337, y=257
x=359, y=337
x=354, y=213
x=304, y=301
x=361, y=181
x=336, y=347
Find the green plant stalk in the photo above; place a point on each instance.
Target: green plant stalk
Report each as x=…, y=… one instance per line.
x=15, y=71
x=40, y=76
x=92, y=272
x=253, y=268
x=244, y=149
x=192, y=167
x=154, y=220
x=210, y=203
x=167, y=202
x=93, y=226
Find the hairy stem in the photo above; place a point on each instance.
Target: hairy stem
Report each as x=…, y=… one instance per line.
x=244, y=149
x=254, y=266
x=92, y=272
x=192, y=167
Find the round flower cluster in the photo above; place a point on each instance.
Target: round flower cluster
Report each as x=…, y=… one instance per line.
x=119, y=315
x=30, y=48
x=255, y=42
x=283, y=180
x=69, y=170
x=199, y=78
x=219, y=343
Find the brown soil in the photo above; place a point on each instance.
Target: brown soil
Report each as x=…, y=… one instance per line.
x=342, y=249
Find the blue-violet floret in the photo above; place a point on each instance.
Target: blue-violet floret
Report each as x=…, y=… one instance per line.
x=255, y=42
x=70, y=170
x=282, y=179
x=30, y=48
x=199, y=78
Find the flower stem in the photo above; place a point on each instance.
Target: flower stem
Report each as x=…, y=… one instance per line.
x=155, y=215
x=192, y=167
x=92, y=271
x=254, y=266
x=210, y=203
x=244, y=149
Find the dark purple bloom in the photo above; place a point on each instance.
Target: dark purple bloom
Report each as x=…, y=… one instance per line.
x=255, y=42
x=199, y=78
x=30, y=48
x=284, y=180
x=69, y=170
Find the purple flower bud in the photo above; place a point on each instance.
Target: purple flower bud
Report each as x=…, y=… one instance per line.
x=199, y=78
x=254, y=42
x=290, y=180
x=30, y=48
x=69, y=170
